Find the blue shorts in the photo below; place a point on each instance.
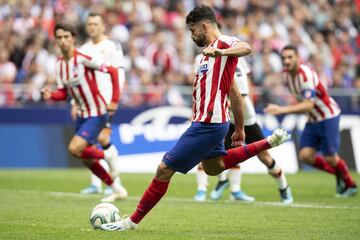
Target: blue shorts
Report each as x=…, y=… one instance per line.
x=89, y=128
x=199, y=142
x=323, y=136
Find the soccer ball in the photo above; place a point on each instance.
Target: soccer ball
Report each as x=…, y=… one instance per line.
x=104, y=213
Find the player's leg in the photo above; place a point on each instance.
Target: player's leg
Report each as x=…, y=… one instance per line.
x=330, y=143
x=234, y=156
x=87, y=131
x=78, y=146
x=104, y=139
x=309, y=144
x=95, y=182
x=223, y=182
x=194, y=145
x=232, y=178
x=202, y=183
x=254, y=133
x=221, y=185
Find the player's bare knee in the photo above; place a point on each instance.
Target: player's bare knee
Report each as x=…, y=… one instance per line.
x=103, y=140
x=332, y=160
x=212, y=170
x=74, y=150
x=305, y=156
x=164, y=172
x=265, y=157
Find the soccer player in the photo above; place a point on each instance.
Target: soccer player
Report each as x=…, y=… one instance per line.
x=203, y=141
x=75, y=75
x=103, y=49
x=322, y=129
x=253, y=133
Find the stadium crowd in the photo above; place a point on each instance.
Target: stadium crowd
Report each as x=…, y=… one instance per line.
x=159, y=52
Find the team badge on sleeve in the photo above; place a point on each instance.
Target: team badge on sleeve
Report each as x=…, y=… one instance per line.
x=308, y=94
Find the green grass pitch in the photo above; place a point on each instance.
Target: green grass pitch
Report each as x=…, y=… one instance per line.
x=45, y=204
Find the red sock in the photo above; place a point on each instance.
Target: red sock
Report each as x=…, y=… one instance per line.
x=92, y=152
x=321, y=164
x=343, y=171
x=237, y=155
x=101, y=173
x=150, y=198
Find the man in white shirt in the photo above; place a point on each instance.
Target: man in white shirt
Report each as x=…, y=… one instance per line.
x=101, y=47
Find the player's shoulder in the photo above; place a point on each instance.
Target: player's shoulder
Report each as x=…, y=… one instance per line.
x=108, y=43
x=228, y=40
x=306, y=72
x=83, y=55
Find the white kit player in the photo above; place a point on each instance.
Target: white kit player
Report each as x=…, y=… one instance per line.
x=253, y=133
x=106, y=50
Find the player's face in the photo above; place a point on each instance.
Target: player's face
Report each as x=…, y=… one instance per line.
x=289, y=59
x=95, y=26
x=198, y=34
x=64, y=40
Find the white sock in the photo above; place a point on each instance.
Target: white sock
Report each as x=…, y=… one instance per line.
x=278, y=174
x=222, y=176
x=110, y=152
x=116, y=187
x=234, y=176
x=202, y=180
x=94, y=180
x=130, y=223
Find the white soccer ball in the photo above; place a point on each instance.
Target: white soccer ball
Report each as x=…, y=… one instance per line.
x=104, y=213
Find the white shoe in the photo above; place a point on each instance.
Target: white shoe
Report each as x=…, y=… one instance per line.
x=278, y=137
x=122, y=225
x=119, y=195
x=111, y=156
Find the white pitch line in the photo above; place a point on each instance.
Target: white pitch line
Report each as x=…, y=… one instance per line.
x=258, y=203
x=189, y=200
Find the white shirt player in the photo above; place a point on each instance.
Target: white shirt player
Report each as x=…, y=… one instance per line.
x=241, y=78
x=242, y=81
x=110, y=53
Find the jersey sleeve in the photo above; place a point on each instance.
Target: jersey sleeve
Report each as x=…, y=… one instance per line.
x=59, y=83
x=231, y=41
x=116, y=56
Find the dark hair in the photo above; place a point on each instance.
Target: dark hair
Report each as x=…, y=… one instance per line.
x=200, y=13
x=290, y=47
x=66, y=27
x=95, y=14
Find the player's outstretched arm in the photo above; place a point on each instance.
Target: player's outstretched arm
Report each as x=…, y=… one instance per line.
x=304, y=106
x=57, y=95
x=237, y=107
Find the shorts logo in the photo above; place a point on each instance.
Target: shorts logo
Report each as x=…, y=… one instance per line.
x=85, y=133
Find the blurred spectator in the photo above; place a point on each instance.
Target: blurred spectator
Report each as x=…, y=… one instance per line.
x=159, y=51
x=7, y=77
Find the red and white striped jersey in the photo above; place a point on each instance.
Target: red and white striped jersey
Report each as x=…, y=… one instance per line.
x=212, y=84
x=306, y=85
x=110, y=53
x=79, y=80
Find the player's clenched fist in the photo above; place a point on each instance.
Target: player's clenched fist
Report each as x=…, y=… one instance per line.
x=112, y=108
x=212, y=52
x=45, y=93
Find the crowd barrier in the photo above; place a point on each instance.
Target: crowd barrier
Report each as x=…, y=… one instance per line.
x=38, y=137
